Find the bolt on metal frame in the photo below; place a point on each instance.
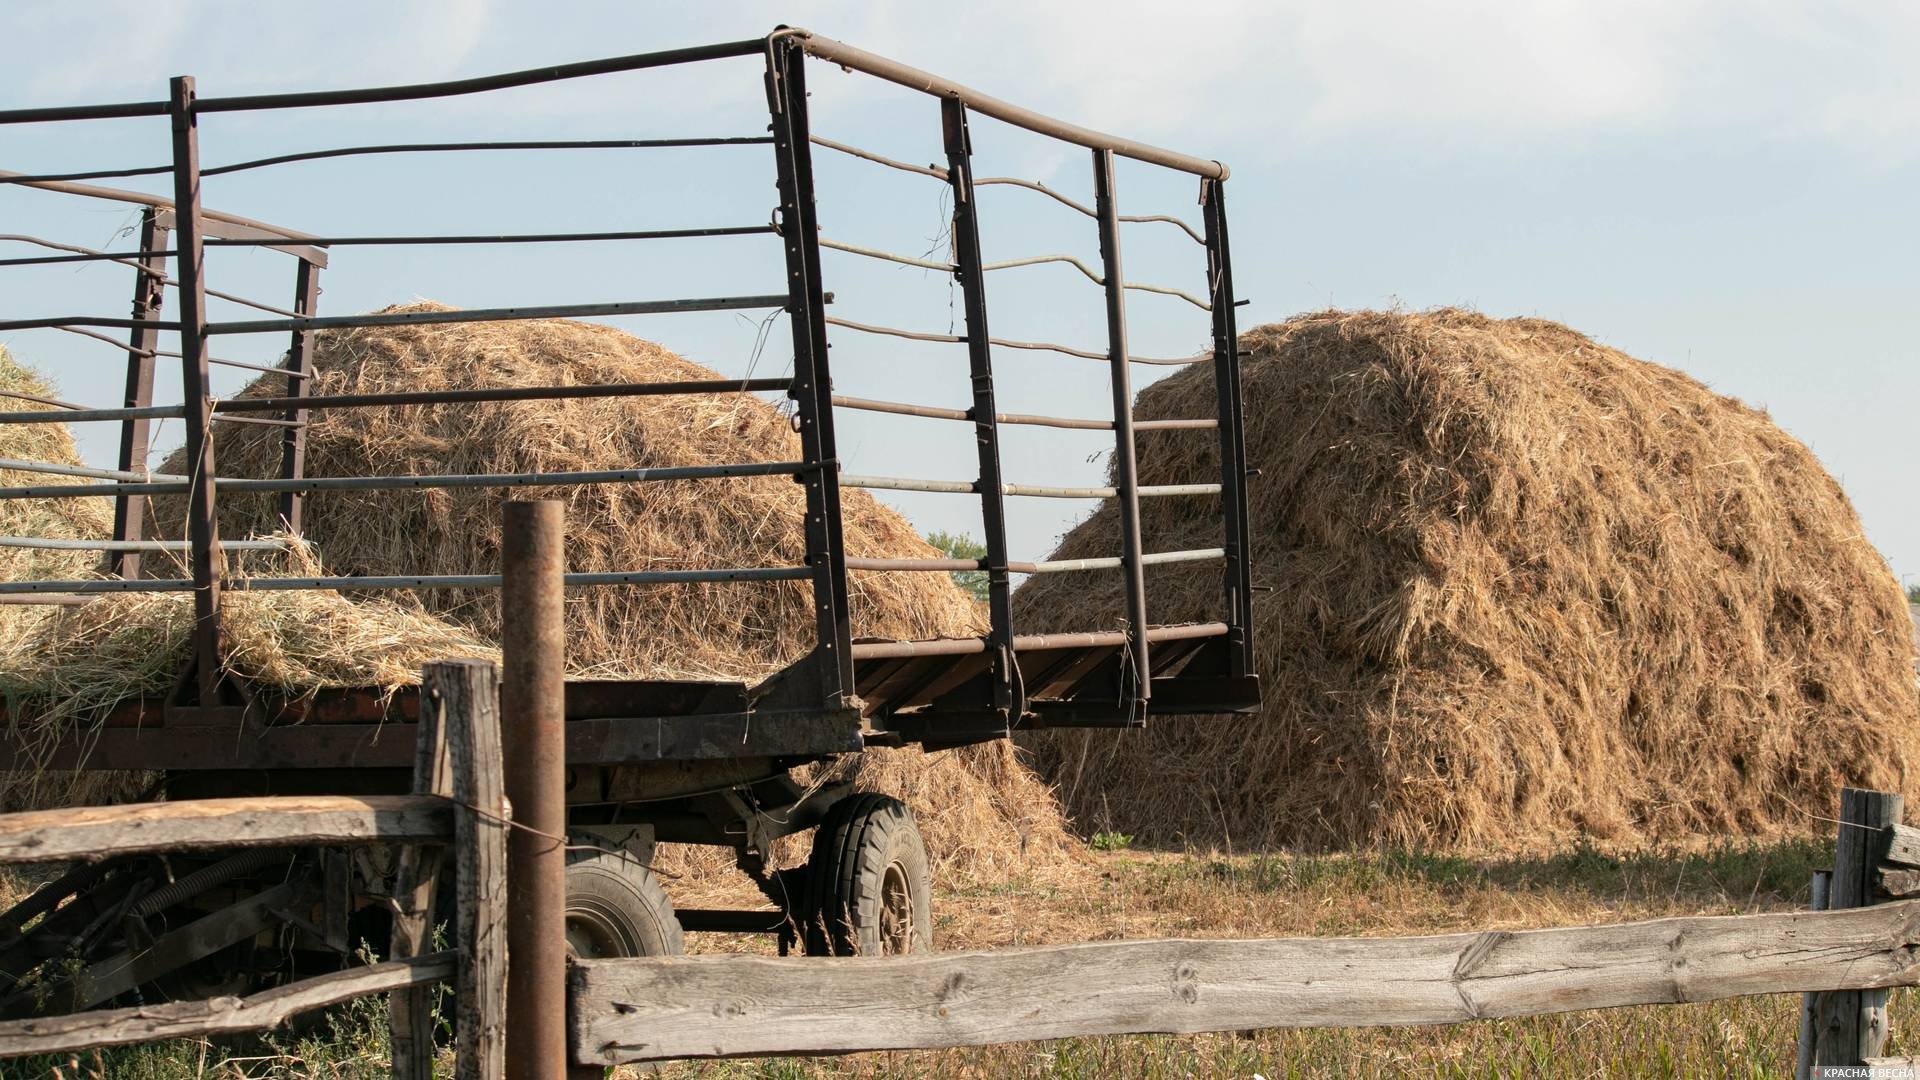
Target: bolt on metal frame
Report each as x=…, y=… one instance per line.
x=181, y=230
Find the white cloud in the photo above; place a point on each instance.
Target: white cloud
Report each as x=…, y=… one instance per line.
x=1469, y=74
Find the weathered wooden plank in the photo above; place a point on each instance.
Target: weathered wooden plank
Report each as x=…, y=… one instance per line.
x=1901, y=845
x=1898, y=883
x=96, y=832
x=710, y=1006
x=467, y=693
x=1850, y=1024
x=215, y=1016
x=1819, y=889
x=410, y=1012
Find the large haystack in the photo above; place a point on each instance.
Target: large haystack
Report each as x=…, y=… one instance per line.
x=1521, y=585
x=53, y=519
x=981, y=804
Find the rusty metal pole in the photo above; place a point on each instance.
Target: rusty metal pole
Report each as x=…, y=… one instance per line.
x=532, y=722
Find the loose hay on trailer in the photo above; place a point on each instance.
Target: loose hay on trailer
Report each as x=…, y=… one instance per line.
x=704, y=739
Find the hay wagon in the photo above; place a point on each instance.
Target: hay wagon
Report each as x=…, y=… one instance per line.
x=691, y=761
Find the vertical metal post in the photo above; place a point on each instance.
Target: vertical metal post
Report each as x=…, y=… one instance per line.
x=1232, y=428
x=812, y=390
x=1126, y=480
x=195, y=392
x=293, y=445
x=533, y=722
x=149, y=296
x=986, y=423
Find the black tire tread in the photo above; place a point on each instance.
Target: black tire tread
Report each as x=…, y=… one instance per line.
x=644, y=885
x=846, y=869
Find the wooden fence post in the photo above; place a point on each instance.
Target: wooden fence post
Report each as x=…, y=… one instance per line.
x=468, y=697
x=1810, y=1003
x=415, y=882
x=1851, y=1025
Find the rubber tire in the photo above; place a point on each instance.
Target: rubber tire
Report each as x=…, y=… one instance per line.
x=615, y=898
x=860, y=838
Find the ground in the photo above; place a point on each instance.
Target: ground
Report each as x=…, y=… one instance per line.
x=1123, y=893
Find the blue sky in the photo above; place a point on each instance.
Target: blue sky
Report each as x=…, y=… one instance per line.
x=1725, y=188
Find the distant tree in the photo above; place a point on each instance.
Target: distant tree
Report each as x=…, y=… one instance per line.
x=1913, y=594
x=955, y=546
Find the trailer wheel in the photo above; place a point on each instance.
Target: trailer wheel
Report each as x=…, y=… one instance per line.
x=867, y=883
x=615, y=905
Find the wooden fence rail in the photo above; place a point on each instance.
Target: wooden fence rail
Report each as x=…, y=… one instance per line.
x=89, y=833
x=721, y=1006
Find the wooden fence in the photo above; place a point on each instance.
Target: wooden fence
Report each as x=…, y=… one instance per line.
x=653, y=1009
x=458, y=804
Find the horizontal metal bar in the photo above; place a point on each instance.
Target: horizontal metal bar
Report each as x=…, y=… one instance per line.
x=422, y=482
x=262, y=420
x=1041, y=491
x=46, y=544
x=1182, y=632
x=1014, y=181
x=530, y=144
x=947, y=565
x=505, y=80
x=265, y=369
x=881, y=650
x=934, y=171
x=1175, y=425
x=75, y=416
x=1157, y=558
x=900, y=409
x=551, y=311
x=426, y=581
x=876, y=253
x=63, y=321
x=93, y=586
x=1169, y=219
x=1087, y=354
x=125, y=258
x=143, y=199
x=1167, y=290
x=1054, y=566
x=242, y=230
x=120, y=111
x=492, y=581
x=503, y=238
x=46, y=600
x=81, y=254
x=85, y=254
x=889, y=331
x=105, y=340
x=95, y=174
x=1035, y=260
x=895, y=483
x=55, y=402
x=927, y=83
x=12, y=465
x=505, y=393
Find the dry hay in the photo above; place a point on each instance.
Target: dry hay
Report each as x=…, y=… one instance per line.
x=53, y=519
x=980, y=807
x=1521, y=585
x=75, y=665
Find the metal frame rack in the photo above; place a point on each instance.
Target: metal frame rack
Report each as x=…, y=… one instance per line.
x=846, y=693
